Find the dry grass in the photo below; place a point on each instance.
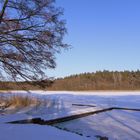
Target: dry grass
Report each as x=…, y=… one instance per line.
x=18, y=101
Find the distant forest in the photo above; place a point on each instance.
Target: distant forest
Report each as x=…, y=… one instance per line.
x=100, y=80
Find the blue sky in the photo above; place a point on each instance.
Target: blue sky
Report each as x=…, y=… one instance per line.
x=103, y=34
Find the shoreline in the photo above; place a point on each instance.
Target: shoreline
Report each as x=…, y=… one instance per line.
x=119, y=90
x=97, y=92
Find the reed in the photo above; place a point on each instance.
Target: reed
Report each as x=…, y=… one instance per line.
x=19, y=101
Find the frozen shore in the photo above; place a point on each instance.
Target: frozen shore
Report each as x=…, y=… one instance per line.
x=102, y=92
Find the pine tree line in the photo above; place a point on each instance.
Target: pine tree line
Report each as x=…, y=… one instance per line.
x=100, y=80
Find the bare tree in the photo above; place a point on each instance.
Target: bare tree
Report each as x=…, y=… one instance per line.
x=31, y=33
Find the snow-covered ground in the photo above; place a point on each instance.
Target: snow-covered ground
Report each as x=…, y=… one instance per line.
x=114, y=125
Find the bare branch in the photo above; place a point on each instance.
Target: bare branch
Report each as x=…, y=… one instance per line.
x=3, y=10
x=30, y=37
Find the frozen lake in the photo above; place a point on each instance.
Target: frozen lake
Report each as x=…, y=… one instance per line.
x=111, y=125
